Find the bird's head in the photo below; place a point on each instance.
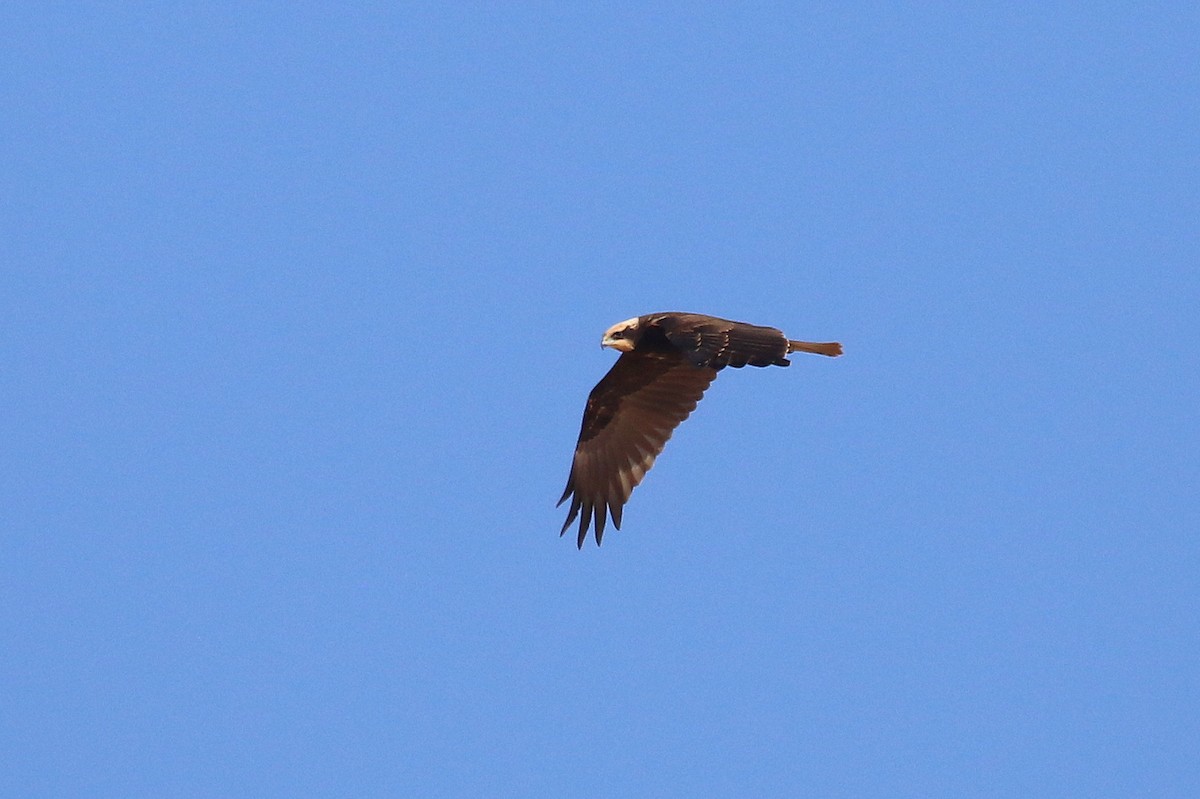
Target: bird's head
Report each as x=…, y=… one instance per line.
x=622, y=336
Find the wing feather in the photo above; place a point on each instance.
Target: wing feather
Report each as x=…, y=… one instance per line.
x=711, y=341
x=630, y=415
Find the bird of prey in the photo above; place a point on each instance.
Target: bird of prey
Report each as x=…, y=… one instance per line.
x=667, y=361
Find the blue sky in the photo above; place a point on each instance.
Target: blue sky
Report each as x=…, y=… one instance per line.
x=299, y=305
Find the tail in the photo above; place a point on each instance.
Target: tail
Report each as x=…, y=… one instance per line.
x=830, y=348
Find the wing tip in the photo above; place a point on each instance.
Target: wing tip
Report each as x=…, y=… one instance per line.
x=570, y=489
x=599, y=514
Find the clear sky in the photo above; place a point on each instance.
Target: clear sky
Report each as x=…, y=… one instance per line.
x=299, y=305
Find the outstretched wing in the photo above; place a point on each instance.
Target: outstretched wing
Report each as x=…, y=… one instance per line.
x=630, y=414
x=715, y=342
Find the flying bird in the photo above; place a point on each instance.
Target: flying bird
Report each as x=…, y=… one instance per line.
x=667, y=361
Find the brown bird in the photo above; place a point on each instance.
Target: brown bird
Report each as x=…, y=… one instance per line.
x=667, y=361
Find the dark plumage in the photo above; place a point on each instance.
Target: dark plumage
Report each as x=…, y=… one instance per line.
x=667, y=361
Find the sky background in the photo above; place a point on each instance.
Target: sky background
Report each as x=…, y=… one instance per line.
x=300, y=303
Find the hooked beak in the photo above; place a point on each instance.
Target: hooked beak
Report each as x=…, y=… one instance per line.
x=619, y=344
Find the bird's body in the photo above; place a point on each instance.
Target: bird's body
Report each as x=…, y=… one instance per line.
x=667, y=361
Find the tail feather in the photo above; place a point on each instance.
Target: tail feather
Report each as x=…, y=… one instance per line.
x=830, y=348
